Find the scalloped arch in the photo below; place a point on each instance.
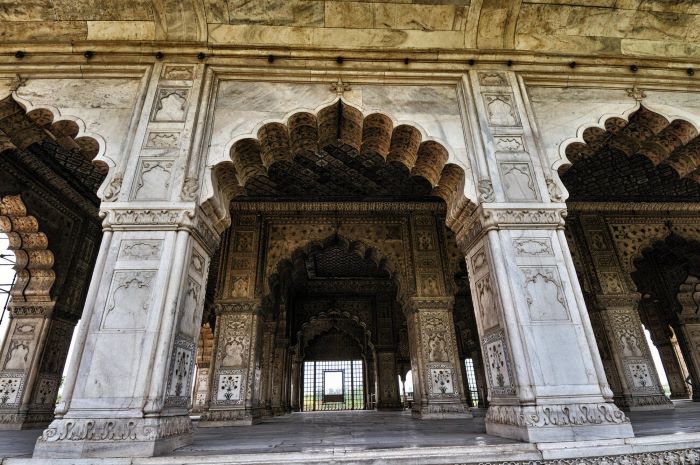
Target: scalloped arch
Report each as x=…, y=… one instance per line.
x=375, y=135
x=661, y=138
x=34, y=261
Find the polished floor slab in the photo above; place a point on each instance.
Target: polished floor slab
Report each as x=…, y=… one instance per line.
x=380, y=433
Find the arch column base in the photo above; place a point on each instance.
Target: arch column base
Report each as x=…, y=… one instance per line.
x=230, y=417
x=19, y=421
x=560, y=422
x=109, y=437
x=440, y=411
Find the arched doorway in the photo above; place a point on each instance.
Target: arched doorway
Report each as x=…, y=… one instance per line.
x=337, y=212
x=633, y=182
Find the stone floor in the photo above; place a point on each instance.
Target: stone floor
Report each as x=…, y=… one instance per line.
x=348, y=432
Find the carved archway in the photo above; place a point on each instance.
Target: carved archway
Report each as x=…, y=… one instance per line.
x=34, y=261
x=645, y=145
x=370, y=144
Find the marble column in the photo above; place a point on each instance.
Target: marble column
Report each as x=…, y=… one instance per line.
x=235, y=389
x=268, y=348
x=387, y=381
x=33, y=354
x=688, y=330
x=127, y=392
x=202, y=380
x=545, y=377
x=296, y=374
x=278, y=379
x=639, y=381
x=435, y=363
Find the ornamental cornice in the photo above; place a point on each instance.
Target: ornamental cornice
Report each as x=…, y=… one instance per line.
x=243, y=306
x=401, y=207
x=31, y=309
x=635, y=208
x=618, y=300
x=418, y=303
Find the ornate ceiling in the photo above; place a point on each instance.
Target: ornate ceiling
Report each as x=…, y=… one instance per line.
x=336, y=261
x=662, y=28
x=645, y=159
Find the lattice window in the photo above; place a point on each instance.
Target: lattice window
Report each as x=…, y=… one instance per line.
x=471, y=381
x=333, y=385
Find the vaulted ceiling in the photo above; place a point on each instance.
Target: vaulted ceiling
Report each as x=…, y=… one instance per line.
x=660, y=28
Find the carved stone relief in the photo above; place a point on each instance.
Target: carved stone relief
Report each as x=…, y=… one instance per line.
x=162, y=139
x=492, y=79
x=235, y=341
x=153, y=180
x=170, y=105
x=18, y=355
x=488, y=306
x=46, y=390
x=178, y=73
x=638, y=372
x=500, y=110
x=188, y=311
x=441, y=380
x=498, y=364
x=545, y=293
x=129, y=299
x=140, y=249
x=509, y=143
x=518, y=181
x=533, y=247
x=10, y=390
x=229, y=388
x=180, y=373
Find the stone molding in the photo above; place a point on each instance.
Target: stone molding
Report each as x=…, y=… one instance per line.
x=509, y=217
x=126, y=217
x=326, y=207
x=111, y=429
x=416, y=304
x=557, y=415
x=684, y=456
x=251, y=307
x=31, y=309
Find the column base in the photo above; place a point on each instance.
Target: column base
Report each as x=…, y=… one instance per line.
x=18, y=421
x=113, y=437
x=230, y=417
x=438, y=411
x=644, y=403
x=558, y=422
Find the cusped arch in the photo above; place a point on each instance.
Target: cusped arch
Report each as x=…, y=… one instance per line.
x=23, y=124
x=375, y=136
x=333, y=320
x=33, y=259
x=662, y=140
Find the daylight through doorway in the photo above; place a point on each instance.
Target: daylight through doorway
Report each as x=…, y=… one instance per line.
x=333, y=385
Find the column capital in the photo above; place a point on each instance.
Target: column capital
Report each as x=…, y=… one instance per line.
x=252, y=306
x=492, y=216
x=416, y=303
x=611, y=301
x=138, y=216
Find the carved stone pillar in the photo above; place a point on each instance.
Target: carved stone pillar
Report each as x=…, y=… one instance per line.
x=202, y=380
x=546, y=380
x=128, y=388
x=235, y=390
x=688, y=331
x=127, y=392
x=641, y=388
x=388, y=382
x=435, y=363
x=278, y=383
x=268, y=349
x=33, y=356
x=295, y=391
